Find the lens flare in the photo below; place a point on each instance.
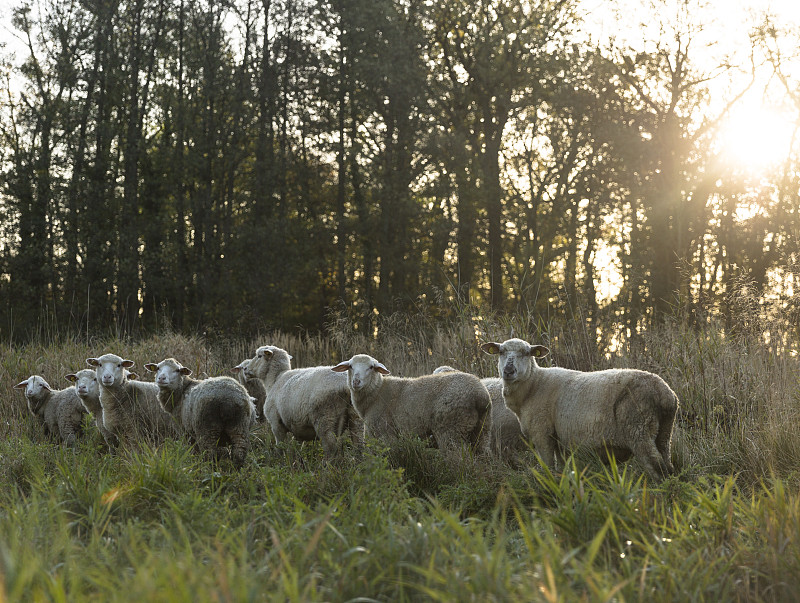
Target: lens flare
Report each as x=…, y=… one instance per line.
x=756, y=138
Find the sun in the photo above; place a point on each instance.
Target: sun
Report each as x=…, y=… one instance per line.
x=757, y=137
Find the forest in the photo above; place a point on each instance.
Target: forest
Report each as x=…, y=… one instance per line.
x=240, y=164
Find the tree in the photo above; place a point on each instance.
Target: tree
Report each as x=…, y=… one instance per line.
x=496, y=58
x=145, y=26
x=667, y=97
x=37, y=130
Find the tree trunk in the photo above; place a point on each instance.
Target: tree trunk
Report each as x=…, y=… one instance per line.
x=493, y=195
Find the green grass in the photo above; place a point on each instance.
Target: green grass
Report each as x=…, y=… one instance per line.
x=411, y=523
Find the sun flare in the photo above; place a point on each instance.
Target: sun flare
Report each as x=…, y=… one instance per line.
x=756, y=138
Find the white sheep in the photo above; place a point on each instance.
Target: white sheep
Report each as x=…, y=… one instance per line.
x=623, y=411
x=310, y=403
x=85, y=383
x=452, y=407
x=506, y=438
x=130, y=408
x=254, y=386
x=213, y=413
x=60, y=412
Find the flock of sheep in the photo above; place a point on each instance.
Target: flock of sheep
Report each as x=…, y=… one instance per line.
x=621, y=411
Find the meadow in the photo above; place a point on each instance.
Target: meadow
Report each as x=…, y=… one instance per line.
x=412, y=523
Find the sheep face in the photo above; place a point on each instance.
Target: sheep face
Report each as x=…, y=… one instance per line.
x=36, y=389
x=516, y=358
x=110, y=369
x=85, y=382
x=363, y=372
x=169, y=373
x=240, y=371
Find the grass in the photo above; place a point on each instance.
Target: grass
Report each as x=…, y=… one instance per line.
x=411, y=523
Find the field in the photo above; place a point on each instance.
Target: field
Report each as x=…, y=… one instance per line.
x=412, y=523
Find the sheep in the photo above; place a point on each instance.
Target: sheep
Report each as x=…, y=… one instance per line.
x=213, y=413
x=505, y=439
x=130, y=408
x=255, y=387
x=85, y=383
x=60, y=412
x=310, y=403
x=621, y=411
x=452, y=407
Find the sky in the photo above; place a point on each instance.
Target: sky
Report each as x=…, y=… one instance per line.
x=730, y=12
x=7, y=37
x=601, y=17
x=754, y=127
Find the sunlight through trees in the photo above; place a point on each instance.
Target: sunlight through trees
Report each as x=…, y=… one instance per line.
x=261, y=162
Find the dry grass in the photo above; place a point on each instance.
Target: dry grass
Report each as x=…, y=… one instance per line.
x=412, y=523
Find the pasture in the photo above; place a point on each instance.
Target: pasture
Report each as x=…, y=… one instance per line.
x=412, y=523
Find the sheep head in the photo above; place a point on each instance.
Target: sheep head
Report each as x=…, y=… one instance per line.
x=516, y=357
x=362, y=371
x=36, y=391
x=269, y=360
x=110, y=369
x=85, y=382
x=239, y=368
x=169, y=373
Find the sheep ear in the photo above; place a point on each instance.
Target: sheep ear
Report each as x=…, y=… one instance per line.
x=236, y=370
x=72, y=377
x=185, y=371
x=92, y=362
x=21, y=384
x=131, y=376
x=127, y=363
x=341, y=367
x=491, y=347
x=539, y=351
x=151, y=367
x=381, y=369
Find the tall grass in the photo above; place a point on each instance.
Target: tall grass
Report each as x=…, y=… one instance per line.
x=410, y=522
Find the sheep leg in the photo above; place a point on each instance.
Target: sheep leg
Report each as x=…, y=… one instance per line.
x=328, y=428
x=447, y=439
x=111, y=440
x=240, y=444
x=545, y=445
x=476, y=431
x=456, y=433
x=663, y=443
x=349, y=427
x=331, y=445
x=650, y=458
x=68, y=434
x=279, y=431
x=278, y=428
x=561, y=454
x=355, y=427
x=208, y=443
